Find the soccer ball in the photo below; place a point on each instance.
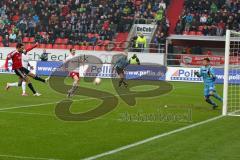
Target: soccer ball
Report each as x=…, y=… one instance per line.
x=97, y=81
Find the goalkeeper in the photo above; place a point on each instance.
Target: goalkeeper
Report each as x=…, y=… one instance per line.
x=209, y=77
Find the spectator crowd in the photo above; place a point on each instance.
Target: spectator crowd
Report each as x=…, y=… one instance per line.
x=93, y=22
x=209, y=17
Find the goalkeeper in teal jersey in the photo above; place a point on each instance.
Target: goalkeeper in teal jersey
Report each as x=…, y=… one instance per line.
x=209, y=77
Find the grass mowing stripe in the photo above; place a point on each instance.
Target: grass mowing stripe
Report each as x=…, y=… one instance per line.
x=151, y=139
x=23, y=157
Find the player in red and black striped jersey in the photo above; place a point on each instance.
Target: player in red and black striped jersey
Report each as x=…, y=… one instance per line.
x=22, y=72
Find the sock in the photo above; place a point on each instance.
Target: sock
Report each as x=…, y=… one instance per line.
x=74, y=88
x=13, y=84
x=39, y=79
x=120, y=82
x=217, y=97
x=124, y=83
x=24, y=87
x=208, y=100
x=31, y=87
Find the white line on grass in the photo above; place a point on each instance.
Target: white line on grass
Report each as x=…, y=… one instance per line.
x=43, y=104
x=150, y=139
x=23, y=157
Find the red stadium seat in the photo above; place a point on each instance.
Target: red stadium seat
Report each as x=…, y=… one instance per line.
x=1, y=38
x=185, y=33
x=1, y=45
x=31, y=39
x=49, y=46
x=99, y=48
x=97, y=35
x=42, y=33
x=61, y=41
x=58, y=41
x=90, y=48
x=83, y=47
x=56, y=46
x=69, y=46
x=90, y=35
x=192, y=33
x=42, y=46
x=106, y=42
x=12, y=45
x=62, y=46
x=25, y=40
x=199, y=33
x=65, y=40
x=76, y=47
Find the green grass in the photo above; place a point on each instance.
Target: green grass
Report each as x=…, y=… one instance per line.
x=35, y=131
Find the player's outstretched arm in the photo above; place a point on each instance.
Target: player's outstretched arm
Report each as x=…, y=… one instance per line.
x=31, y=48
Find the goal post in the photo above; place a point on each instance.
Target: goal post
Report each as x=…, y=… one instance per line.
x=231, y=89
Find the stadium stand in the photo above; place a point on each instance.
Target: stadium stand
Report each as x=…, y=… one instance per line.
x=209, y=17
x=58, y=23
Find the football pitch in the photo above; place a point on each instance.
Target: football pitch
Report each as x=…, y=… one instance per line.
x=183, y=127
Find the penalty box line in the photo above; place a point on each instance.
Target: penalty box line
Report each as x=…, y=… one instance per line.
x=151, y=139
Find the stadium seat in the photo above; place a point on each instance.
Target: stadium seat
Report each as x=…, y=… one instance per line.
x=90, y=35
x=25, y=40
x=69, y=46
x=56, y=46
x=65, y=41
x=62, y=46
x=49, y=46
x=199, y=33
x=31, y=39
x=106, y=42
x=98, y=48
x=83, y=47
x=185, y=33
x=42, y=46
x=192, y=33
x=42, y=33
x=12, y=45
x=76, y=47
x=58, y=41
x=1, y=45
x=97, y=35
x=90, y=48
x=1, y=38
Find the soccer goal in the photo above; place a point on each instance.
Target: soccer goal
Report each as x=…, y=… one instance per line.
x=231, y=91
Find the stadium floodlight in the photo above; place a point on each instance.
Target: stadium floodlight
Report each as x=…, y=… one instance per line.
x=231, y=91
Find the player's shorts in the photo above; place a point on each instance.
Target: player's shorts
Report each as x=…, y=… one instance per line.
x=209, y=87
x=119, y=70
x=73, y=74
x=22, y=72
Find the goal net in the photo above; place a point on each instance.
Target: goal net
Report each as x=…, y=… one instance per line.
x=231, y=95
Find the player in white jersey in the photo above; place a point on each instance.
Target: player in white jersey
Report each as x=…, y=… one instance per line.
x=73, y=63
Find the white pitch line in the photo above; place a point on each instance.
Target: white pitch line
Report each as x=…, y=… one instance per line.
x=23, y=157
x=151, y=139
x=43, y=104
